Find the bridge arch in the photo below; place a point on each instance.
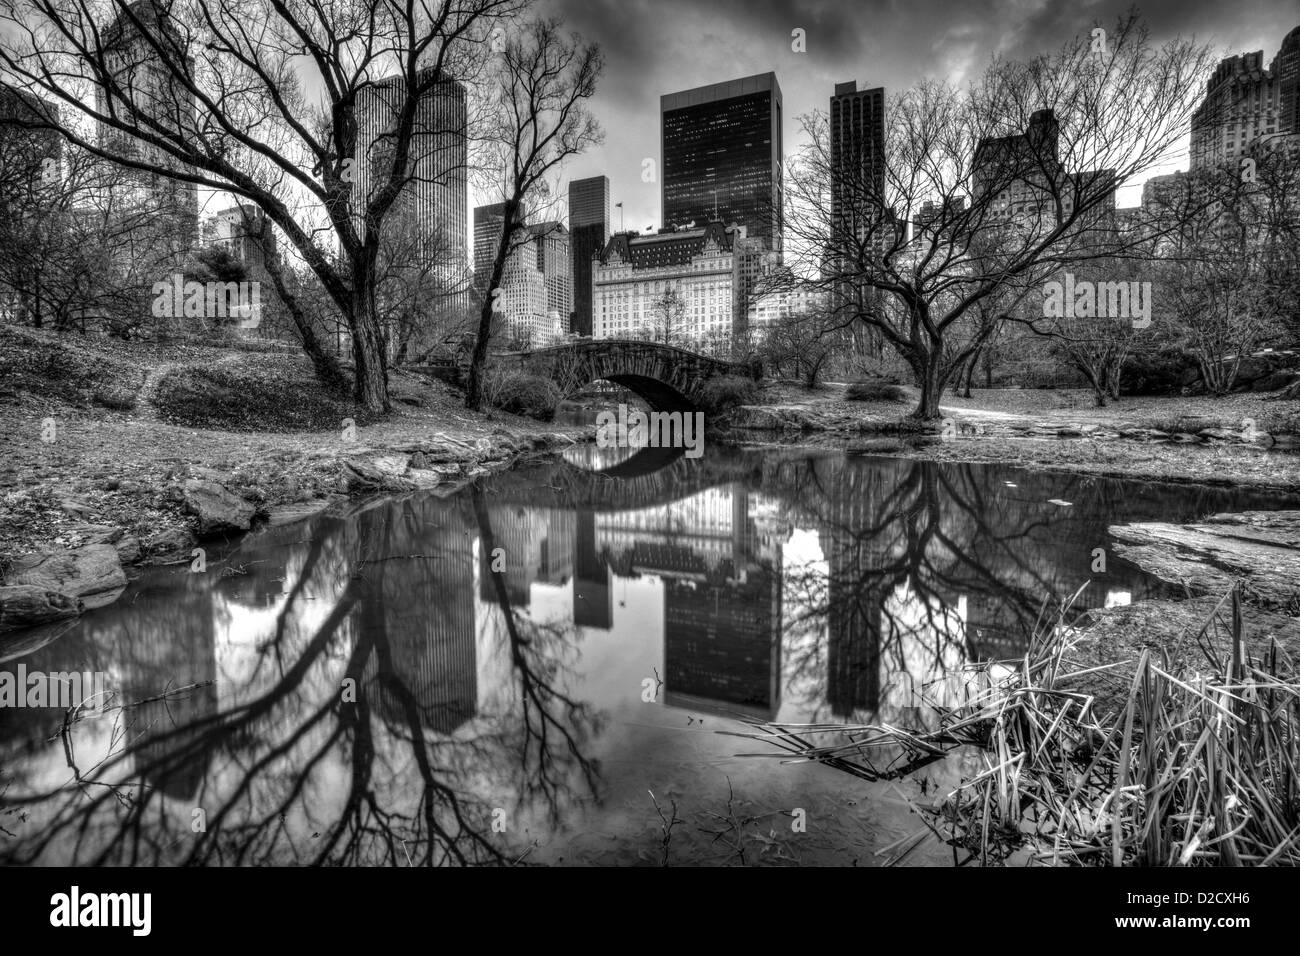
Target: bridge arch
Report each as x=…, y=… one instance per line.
x=667, y=378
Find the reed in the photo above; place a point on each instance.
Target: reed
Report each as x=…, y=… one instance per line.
x=1194, y=762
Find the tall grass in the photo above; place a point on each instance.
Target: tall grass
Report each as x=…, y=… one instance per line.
x=1194, y=762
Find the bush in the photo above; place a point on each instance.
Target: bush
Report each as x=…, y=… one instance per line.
x=276, y=394
x=726, y=392
x=1158, y=372
x=875, y=391
x=522, y=394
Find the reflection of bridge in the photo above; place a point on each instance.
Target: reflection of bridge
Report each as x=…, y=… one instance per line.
x=667, y=378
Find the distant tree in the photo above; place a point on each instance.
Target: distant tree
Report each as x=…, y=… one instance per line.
x=667, y=322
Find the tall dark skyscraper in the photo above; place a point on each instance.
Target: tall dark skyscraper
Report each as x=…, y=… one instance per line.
x=588, y=233
x=722, y=153
x=488, y=221
x=1287, y=65
x=857, y=145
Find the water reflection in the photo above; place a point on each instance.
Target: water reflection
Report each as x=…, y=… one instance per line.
x=427, y=681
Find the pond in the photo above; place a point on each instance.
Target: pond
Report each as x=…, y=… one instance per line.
x=537, y=669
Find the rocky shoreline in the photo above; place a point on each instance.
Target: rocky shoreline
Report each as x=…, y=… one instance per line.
x=49, y=584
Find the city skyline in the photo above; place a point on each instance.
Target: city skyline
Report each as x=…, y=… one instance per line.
x=656, y=50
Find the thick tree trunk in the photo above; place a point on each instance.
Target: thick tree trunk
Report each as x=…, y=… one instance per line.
x=370, y=387
x=931, y=384
x=478, y=359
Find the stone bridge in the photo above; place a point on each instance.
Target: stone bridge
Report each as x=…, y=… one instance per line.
x=666, y=377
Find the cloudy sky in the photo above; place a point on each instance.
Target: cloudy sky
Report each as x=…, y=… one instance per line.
x=654, y=47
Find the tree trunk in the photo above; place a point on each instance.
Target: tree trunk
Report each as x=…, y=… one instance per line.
x=931, y=385
x=370, y=386
x=325, y=365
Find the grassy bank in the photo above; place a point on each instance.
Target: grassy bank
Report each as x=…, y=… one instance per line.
x=103, y=434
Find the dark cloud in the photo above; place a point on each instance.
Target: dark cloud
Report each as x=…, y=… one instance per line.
x=654, y=47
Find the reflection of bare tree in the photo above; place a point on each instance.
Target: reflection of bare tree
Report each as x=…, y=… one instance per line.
x=329, y=741
x=927, y=566
x=554, y=726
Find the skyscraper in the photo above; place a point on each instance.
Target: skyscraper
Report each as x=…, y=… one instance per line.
x=145, y=93
x=552, y=242
x=588, y=233
x=433, y=202
x=857, y=147
x=487, y=234
x=1287, y=67
x=1241, y=104
x=722, y=150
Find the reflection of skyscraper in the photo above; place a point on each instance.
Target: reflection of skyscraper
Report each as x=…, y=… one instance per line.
x=418, y=615
x=722, y=597
x=592, y=602
x=853, y=630
x=722, y=643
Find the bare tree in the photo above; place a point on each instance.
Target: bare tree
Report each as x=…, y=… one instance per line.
x=539, y=118
x=667, y=325
x=266, y=100
x=1008, y=180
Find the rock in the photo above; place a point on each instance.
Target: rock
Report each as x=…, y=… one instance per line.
x=168, y=542
x=1260, y=548
x=211, y=474
x=298, y=511
x=75, y=507
x=394, y=465
x=1219, y=434
x=1275, y=381
x=874, y=446
x=92, y=573
x=132, y=487
x=127, y=545
x=362, y=475
x=1144, y=434
x=27, y=605
x=218, y=509
x=1183, y=438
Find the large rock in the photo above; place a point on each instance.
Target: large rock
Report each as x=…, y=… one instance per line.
x=217, y=508
x=26, y=605
x=93, y=573
x=1260, y=549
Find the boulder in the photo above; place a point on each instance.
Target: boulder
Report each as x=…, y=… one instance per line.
x=1275, y=381
x=1259, y=548
x=27, y=605
x=92, y=573
x=168, y=542
x=217, y=508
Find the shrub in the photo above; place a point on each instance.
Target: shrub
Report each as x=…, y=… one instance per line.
x=273, y=395
x=875, y=391
x=522, y=394
x=726, y=392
